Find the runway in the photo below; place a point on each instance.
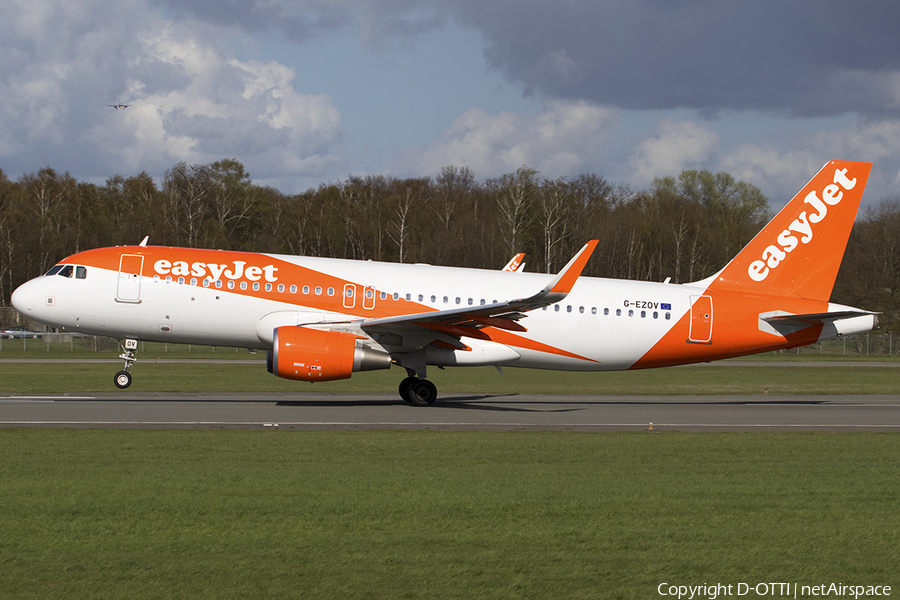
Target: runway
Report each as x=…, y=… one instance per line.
x=518, y=412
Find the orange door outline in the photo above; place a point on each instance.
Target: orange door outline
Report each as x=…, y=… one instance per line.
x=128, y=288
x=701, y=320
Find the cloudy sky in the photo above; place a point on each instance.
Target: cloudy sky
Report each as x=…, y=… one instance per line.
x=306, y=92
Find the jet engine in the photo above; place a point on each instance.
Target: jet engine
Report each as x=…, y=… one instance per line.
x=316, y=355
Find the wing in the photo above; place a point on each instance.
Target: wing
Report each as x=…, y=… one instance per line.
x=447, y=326
x=406, y=337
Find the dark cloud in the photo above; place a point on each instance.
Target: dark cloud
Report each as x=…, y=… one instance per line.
x=304, y=20
x=795, y=57
x=798, y=58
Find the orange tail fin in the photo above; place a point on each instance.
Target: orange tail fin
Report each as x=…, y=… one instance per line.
x=800, y=251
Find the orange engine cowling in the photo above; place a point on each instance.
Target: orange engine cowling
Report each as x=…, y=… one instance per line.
x=316, y=355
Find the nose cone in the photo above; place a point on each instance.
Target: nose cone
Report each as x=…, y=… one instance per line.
x=23, y=298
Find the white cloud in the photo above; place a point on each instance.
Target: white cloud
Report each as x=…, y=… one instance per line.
x=191, y=98
x=565, y=138
x=677, y=145
x=771, y=169
x=779, y=172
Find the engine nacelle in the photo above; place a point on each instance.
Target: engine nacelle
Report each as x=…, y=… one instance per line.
x=315, y=355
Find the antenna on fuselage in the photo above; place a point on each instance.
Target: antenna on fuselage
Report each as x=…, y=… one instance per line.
x=144, y=241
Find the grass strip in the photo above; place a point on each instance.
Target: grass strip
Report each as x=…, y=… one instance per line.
x=202, y=514
x=106, y=348
x=28, y=378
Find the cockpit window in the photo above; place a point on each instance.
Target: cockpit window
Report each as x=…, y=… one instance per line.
x=66, y=271
x=54, y=270
x=80, y=273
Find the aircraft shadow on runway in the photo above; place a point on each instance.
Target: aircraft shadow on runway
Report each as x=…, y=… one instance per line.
x=482, y=402
x=504, y=402
x=466, y=402
x=451, y=402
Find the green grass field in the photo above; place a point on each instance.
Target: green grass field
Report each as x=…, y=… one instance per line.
x=394, y=514
x=242, y=515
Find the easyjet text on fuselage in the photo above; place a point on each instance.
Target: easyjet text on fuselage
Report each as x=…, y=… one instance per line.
x=236, y=270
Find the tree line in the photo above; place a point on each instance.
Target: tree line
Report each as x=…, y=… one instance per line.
x=683, y=227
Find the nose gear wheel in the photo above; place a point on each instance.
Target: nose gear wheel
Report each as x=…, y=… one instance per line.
x=123, y=377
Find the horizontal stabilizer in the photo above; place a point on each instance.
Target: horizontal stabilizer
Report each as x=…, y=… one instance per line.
x=816, y=318
x=840, y=322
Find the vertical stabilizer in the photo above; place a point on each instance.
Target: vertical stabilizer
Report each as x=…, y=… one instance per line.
x=800, y=251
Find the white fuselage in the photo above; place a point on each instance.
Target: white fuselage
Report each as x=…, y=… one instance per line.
x=603, y=324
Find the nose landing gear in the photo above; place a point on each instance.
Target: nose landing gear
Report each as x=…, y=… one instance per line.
x=123, y=377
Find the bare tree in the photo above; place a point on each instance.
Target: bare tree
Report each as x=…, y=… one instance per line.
x=47, y=193
x=555, y=202
x=515, y=193
x=400, y=225
x=230, y=196
x=187, y=188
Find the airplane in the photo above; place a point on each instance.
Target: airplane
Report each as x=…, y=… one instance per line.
x=118, y=106
x=323, y=319
x=515, y=264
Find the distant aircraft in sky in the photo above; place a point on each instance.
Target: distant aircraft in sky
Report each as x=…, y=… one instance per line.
x=323, y=319
x=118, y=106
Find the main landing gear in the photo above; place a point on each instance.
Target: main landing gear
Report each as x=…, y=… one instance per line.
x=123, y=377
x=418, y=392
